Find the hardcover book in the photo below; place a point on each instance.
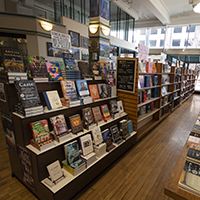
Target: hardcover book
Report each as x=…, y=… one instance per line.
x=69, y=90
x=115, y=133
x=88, y=118
x=97, y=136
x=113, y=108
x=52, y=99
x=107, y=139
x=124, y=128
x=69, y=61
x=82, y=87
x=110, y=79
x=97, y=114
x=27, y=93
x=120, y=106
x=130, y=126
x=12, y=59
x=54, y=71
x=76, y=124
x=154, y=92
x=94, y=92
x=103, y=93
x=105, y=111
x=37, y=66
x=86, y=144
x=59, y=124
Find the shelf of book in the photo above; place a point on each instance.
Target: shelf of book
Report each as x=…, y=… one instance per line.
x=143, y=117
x=176, y=98
x=147, y=88
x=167, y=84
x=168, y=93
x=176, y=90
x=56, y=188
x=165, y=104
x=164, y=73
x=149, y=74
x=148, y=101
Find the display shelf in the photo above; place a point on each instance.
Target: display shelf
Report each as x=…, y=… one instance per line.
x=176, y=90
x=149, y=74
x=166, y=84
x=165, y=73
x=70, y=177
x=148, y=101
x=176, y=98
x=147, y=88
x=143, y=117
x=168, y=93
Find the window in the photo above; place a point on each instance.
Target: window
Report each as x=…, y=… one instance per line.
x=176, y=43
x=142, y=31
x=161, y=43
x=142, y=42
x=191, y=28
x=153, y=31
x=152, y=43
x=162, y=30
x=177, y=29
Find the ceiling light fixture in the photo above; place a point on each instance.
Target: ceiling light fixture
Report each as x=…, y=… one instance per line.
x=196, y=8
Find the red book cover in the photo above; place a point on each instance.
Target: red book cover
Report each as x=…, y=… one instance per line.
x=94, y=92
x=105, y=112
x=144, y=96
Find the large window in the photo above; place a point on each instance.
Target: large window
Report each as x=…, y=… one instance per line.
x=191, y=28
x=152, y=43
x=178, y=29
x=161, y=43
x=176, y=43
x=142, y=31
x=154, y=31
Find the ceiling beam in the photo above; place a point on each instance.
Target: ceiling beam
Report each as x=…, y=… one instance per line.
x=159, y=9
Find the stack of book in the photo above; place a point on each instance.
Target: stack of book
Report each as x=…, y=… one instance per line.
x=87, y=99
x=116, y=138
x=124, y=128
x=73, y=74
x=10, y=77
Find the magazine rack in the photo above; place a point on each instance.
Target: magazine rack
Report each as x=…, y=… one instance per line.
x=71, y=185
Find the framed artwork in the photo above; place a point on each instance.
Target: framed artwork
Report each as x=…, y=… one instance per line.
x=104, y=50
x=85, y=55
x=53, y=52
x=76, y=53
x=84, y=42
x=75, y=38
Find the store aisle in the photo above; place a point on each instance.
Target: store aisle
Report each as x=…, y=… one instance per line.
x=140, y=174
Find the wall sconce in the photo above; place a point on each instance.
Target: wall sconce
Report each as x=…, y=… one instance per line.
x=105, y=30
x=46, y=26
x=93, y=28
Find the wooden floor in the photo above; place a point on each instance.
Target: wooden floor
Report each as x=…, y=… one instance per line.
x=140, y=174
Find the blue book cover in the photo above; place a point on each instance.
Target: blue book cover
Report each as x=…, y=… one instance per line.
x=154, y=92
x=69, y=61
x=130, y=126
x=82, y=87
x=105, y=134
x=147, y=81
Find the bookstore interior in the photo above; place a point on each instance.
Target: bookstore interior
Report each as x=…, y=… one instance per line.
x=75, y=95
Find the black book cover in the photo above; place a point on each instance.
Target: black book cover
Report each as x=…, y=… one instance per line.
x=27, y=93
x=193, y=154
x=113, y=108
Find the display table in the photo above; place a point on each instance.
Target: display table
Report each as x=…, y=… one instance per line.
x=171, y=187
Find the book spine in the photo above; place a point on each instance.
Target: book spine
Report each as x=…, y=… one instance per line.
x=47, y=100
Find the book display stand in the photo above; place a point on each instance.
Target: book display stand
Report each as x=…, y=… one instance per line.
x=70, y=185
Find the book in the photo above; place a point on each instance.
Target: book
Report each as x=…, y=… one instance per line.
x=140, y=67
x=12, y=59
x=97, y=114
x=113, y=108
x=103, y=93
x=163, y=91
x=130, y=126
x=139, y=97
x=54, y=71
x=155, y=80
x=76, y=124
x=124, y=128
x=120, y=106
x=148, y=67
x=86, y=144
x=107, y=139
x=110, y=79
x=69, y=61
x=144, y=96
x=97, y=136
x=141, y=80
x=115, y=133
x=52, y=99
x=147, y=81
x=105, y=112
x=196, y=128
x=59, y=124
x=69, y=90
x=154, y=70
x=82, y=87
x=165, y=79
x=37, y=66
x=27, y=93
x=94, y=92
x=148, y=94
x=88, y=118
x=154, y=92
x=148, y=108
x=84, y=68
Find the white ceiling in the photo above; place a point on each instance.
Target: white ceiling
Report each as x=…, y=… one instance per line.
x=150, y=13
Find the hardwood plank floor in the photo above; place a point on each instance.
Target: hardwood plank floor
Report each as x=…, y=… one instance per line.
x=139, y=174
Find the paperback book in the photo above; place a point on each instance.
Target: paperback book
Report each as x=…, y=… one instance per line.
x=88, y=118
x=124, y=128
x=76, y=124
x=97, y=114
x=115, y=133
x=107, y=139
x=141, y=81
x=120, y=106
x=54, y=71
x=103, y=93
x=69, y=61
x=94, y=92
x=82, y=87
x=97, y=136
x=113, y=108
x=106, y=113
x=130, y=126
x=86, y=144
x=84, y=68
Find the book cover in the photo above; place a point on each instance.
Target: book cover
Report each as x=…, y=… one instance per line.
x=94, y=92
x=97, y=114
x=139, y=97
x=37, y=66
x=103, y=93
x=52, y=99
x=60, y=63
x=154, y=70
x=120, y=106
x=141, y=80
x=105, y=111
x=110, y=79
x=107, y=139
x=55, y=171
x=113, y=108
x=130, y=126
x=144, y=96
x=148, y=67
x=12, y=59
x=87, y=117
x=165, y=79
x=116, y=138
x=27, y=93
x=142, y=110
x=148, y=108
x=195, y=154
x=97, y=136
x=69, y=61
x=76, y=124
x=155, y=80
x=69, y=90
x=84, y=68
x=140, y=67
x=86, y=144
x=82, y=87
x=148, y=94
x=147, y=81
x=154, y=92
x=59, y=124
x=54, y=71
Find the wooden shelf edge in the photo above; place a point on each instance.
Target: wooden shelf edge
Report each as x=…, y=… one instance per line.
x=147, y=88
x=148, y=101
x=148, y=115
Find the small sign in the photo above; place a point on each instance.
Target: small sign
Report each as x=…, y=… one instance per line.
x=143, y=52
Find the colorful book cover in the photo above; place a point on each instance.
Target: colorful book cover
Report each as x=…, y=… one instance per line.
x=37, y=66
x=141, y=80
x=12, y=59
x=140, y=67
x=154, y=70
x=94, y=92
x=130, y=126
x=54, y=71
x=97, y=114
x=105, y=111
x=76, y=124
x=144, y=96
x=107, y=139
x=148, y=94
x=87, y=117
x=110, y=79
x=69, y=90
x=82, y=87
x=59, y=124
x=148, y=67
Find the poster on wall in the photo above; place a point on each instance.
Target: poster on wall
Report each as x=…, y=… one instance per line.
x=53, y=52
x=60, y=40
x=26, y=165
x=104, y=9
x=94, y=8
x=143, y=52
x=126, y=74
x=76, y=53
x=104, y=50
